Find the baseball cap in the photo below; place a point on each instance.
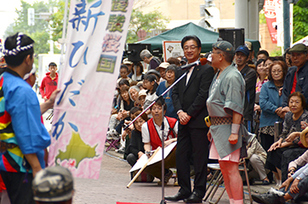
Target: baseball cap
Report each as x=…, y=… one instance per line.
x=299, y=48
x=126, y=61
x=142, y=92
x=153, y=71
x=248, y=45
x=224, y=46
x=242, y=49
x=163, y=65
x=53, y=184
x=303, y=137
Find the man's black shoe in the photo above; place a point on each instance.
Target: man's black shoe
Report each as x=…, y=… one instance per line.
x=177, y=197
x=268, y=199
x=193, y=198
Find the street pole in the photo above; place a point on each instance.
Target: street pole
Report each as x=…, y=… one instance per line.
x=241, y=15
x=286, y=24
x=63, y=39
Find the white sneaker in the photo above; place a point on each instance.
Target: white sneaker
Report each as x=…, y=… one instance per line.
x=121, y=150
x=278, y=183
x=275, y=191
x=108, y=136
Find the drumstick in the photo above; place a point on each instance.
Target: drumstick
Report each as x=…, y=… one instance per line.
x=144, y=166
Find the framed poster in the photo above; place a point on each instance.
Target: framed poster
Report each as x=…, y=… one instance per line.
x=172, y=49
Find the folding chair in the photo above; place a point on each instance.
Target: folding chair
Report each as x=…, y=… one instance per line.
x=112, y=143
x=217, y=179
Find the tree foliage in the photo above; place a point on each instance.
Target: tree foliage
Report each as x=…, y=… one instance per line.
x=40, y=31
x=147, y=22
x=262, y=19
x=57, y=20
x=300, y=20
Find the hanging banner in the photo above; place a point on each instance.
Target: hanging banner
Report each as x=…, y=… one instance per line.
x=270, y=15
x=95, y=41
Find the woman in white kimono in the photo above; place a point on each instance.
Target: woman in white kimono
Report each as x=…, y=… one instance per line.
x=225, y=106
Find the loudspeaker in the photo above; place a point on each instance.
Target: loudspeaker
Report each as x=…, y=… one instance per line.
x=235, y=36
x=134, y=50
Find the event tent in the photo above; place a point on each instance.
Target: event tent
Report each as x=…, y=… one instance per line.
x=207, y=37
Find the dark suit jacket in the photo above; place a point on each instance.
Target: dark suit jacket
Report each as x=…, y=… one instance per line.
x=250, y=77
x=191, y=98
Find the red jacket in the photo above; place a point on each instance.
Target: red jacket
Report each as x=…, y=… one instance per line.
x=48, y=85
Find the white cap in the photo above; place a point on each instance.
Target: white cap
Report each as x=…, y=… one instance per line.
x=126, y=61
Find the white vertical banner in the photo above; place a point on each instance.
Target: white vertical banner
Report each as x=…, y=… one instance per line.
x=96, y=37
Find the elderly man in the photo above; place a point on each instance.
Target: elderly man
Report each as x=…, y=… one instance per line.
x=226, y=106
x=189, y=97
x=148, y=58
x=296, y=78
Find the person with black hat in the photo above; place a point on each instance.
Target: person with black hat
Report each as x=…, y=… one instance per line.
x=225, y=105
x=250, y=77
x=53, y=185
x=296, y=78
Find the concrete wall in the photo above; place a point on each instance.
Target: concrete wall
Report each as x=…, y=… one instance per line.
x=174, y=9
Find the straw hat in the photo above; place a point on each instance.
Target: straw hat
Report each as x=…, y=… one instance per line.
x=303, y=137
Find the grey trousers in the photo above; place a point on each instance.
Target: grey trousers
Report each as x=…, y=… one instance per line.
x=258, y=166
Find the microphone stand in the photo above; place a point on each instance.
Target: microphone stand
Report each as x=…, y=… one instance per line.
x=163, y=158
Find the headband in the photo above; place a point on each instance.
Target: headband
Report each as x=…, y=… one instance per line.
x=18, y=49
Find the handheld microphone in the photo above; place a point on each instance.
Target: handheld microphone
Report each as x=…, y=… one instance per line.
x=201, y=61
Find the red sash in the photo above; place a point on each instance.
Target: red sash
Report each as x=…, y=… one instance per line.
x=154, y=136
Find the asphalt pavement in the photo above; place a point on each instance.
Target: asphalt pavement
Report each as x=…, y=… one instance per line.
x=110, y=188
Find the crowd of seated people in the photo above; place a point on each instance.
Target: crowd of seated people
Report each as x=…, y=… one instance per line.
x=285, y=99
x=281, y=92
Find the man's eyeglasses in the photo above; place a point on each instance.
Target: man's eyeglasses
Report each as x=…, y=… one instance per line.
x=192, y=47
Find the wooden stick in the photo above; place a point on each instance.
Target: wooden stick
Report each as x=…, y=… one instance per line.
x=247, y=181
x=141, y=170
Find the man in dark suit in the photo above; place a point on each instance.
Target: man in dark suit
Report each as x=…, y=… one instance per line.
x=189, y=97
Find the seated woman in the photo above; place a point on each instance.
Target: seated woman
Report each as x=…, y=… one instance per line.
x=296, y=186
x=150, y=84
x=152, y=138
x=135, y=148
x=124, y=106
x=303, y=159
x=133, y=93
x=282, y=152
